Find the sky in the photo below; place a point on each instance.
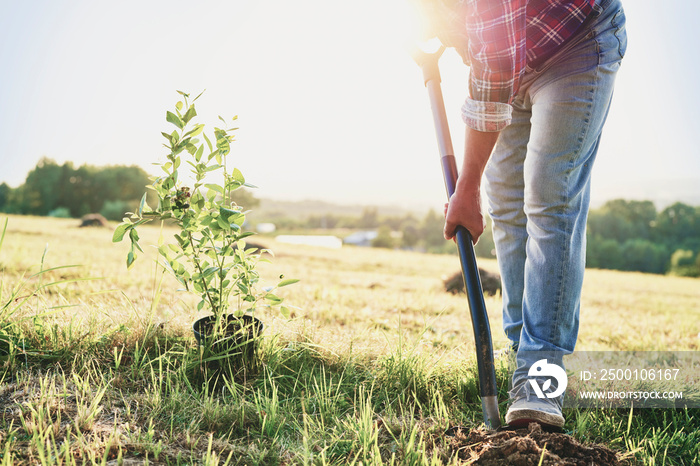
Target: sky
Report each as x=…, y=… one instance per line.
x=330, y=104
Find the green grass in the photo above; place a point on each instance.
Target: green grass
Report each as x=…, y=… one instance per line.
x=376, y=363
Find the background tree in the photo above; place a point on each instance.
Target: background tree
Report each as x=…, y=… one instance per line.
x=384, y=238
x=86, y=189
x=5, y=193
x=369, y=218
x=679, y=225
x=245, y=198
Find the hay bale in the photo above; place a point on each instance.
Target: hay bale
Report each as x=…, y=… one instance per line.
x=93, y=220
x=490, y=282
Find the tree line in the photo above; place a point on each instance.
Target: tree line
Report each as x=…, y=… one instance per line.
x=57, y=190
x=622, y=235
x=633, y=235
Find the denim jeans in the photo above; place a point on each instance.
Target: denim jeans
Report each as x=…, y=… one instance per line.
x=538, y=186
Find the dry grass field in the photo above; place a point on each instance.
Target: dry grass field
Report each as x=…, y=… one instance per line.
x=353, y=307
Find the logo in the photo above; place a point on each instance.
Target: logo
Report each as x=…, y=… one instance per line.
x=544, y=369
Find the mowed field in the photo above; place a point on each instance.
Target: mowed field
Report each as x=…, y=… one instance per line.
x=352, y=307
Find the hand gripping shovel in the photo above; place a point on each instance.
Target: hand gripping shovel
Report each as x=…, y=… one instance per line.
x=480, y=321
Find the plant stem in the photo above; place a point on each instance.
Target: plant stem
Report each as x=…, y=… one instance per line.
x=199, y=268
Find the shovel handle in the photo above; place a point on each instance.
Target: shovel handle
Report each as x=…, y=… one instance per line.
x=470, y=272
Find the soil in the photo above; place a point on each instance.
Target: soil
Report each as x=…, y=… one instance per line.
x=525, y=447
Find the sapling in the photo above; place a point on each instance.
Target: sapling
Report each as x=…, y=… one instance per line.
x=208, y=254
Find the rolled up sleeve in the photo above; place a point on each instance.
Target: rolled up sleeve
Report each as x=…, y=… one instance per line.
x=497, y=49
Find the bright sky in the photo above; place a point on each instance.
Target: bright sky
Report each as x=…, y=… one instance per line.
x=330, y=104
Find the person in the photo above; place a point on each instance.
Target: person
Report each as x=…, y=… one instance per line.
x=541, y=81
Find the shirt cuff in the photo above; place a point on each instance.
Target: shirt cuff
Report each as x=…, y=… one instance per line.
x=486, y=116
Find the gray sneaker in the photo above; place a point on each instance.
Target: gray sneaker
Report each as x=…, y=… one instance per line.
x=525, y=407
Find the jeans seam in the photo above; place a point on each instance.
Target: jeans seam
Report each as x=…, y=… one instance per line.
x=568, y=222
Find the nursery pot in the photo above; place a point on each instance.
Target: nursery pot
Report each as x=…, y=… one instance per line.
x=239, y=335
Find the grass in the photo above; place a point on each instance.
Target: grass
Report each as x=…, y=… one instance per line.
x=375, y=364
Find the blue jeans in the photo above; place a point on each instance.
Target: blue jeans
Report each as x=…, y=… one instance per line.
x=538, y=186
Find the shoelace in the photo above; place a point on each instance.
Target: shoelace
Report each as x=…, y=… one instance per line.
x=524, y=390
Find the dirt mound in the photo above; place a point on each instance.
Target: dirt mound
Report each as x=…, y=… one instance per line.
x=93, y=220
x=525, y=447
x=490, y=282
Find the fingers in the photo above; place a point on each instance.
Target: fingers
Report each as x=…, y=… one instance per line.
x=463, y=210
x=450, y=227
x=474, y=224
x=449, y=230
x=451, y=234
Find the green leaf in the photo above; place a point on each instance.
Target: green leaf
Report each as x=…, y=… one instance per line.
x=200, y=95
x=178, y=106
x=226, y=213
x=195, y=131
x=287, y=282
x=163, y=250
x=198, y=155
x=238, y=176
x=223, y=145
x=273, y=298
x=223, y=223
x=134, y=236
x=215, y=187
x=130, y=258
x=208, y=143
x=143, y=204
x=191, y=113
x=169, y=138
x=174, y=119
x=120, y=232
x=191, y=148
x=238, y=220
x=246, y=234
x=285, y=312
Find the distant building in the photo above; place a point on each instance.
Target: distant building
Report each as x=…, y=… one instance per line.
x=265, y=228
x=361, y=238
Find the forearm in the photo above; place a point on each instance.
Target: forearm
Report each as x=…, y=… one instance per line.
x=464, y=207
x=478, y=146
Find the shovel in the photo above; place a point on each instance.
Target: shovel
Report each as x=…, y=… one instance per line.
x=480, y=320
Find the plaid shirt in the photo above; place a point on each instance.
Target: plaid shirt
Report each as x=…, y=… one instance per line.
x=504, y=36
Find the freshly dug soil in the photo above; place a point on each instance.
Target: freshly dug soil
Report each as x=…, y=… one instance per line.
x=524, y=447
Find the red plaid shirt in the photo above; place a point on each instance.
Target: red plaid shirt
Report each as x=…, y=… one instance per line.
x=504, y=36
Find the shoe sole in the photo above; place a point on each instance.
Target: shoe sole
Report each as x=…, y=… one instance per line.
x=523, y=417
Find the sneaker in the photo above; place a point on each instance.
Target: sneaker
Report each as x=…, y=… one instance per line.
x=525, y=407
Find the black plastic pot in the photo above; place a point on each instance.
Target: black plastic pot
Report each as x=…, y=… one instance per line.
x=239, y=336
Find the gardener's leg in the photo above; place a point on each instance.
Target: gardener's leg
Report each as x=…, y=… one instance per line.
x=504, y=187
x=568, y=100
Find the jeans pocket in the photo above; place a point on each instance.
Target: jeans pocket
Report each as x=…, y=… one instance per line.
x=619, y=21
